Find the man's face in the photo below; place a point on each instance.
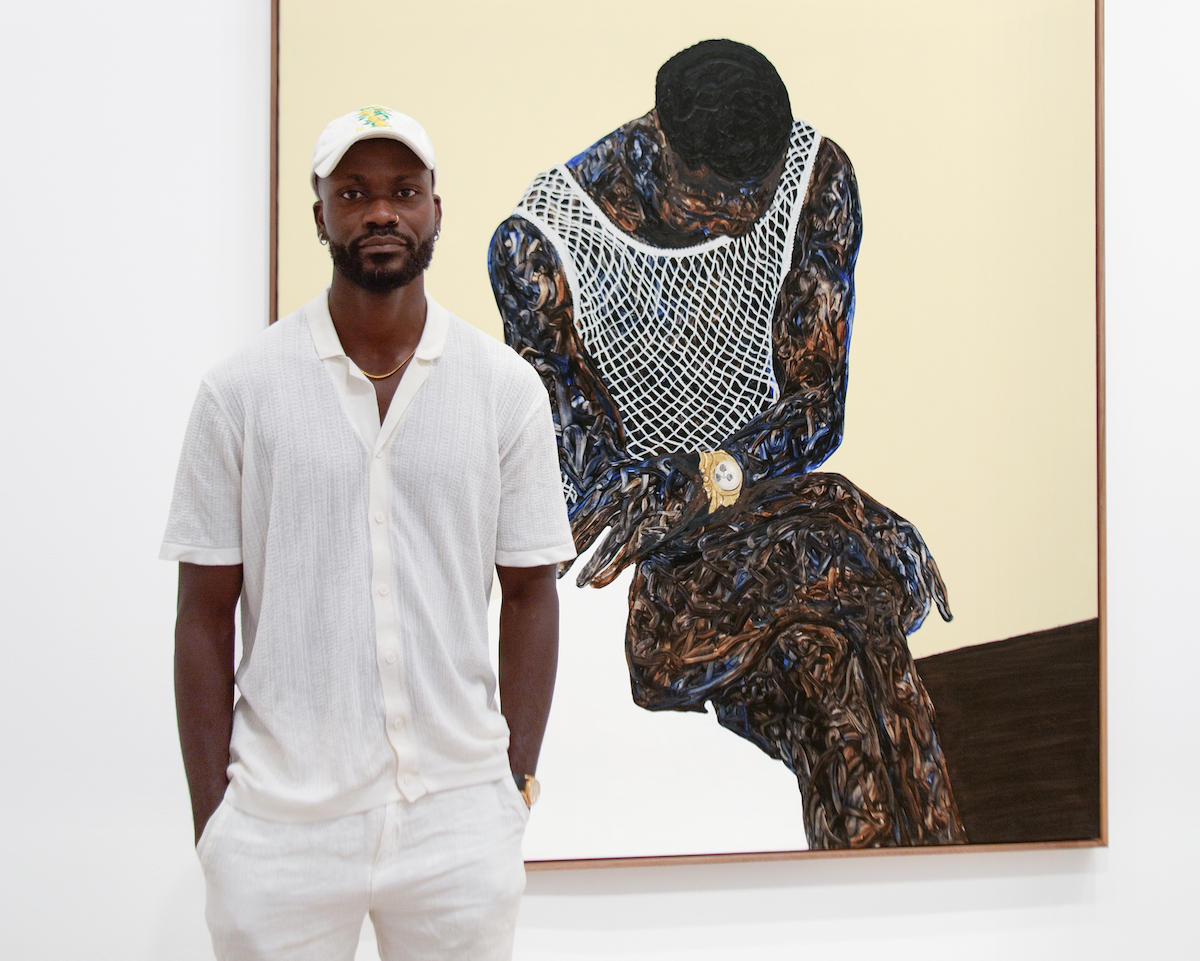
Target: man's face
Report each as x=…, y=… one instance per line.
x=379, y=213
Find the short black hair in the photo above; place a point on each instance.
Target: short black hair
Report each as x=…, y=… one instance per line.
x=723, y=104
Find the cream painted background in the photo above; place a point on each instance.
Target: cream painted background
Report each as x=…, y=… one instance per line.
x=971, y=408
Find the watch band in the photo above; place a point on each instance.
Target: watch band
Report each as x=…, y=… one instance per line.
x=722, y=478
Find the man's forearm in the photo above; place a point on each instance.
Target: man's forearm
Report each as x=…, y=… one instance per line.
x=204, y=645
x=528, y=659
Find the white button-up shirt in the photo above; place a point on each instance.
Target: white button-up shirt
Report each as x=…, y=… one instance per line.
x=368, y=552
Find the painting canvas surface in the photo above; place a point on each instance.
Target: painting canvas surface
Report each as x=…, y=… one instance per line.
x=971, y=406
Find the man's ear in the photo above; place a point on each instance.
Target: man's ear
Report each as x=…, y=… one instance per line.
x=437, y=220
x=319, y=217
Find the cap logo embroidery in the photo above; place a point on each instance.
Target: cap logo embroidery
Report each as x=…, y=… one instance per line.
x=375, y=117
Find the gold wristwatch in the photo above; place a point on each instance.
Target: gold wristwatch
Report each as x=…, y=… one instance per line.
x=722, y=478
x=530, y=790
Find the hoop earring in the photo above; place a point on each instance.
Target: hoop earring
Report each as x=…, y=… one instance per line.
x=324, y=240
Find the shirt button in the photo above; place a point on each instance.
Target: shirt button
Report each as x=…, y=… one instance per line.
x=410, y=780
x=378, y=454
x=383, y=590
x=390, y=657
x=379, y=516
x=398, y=723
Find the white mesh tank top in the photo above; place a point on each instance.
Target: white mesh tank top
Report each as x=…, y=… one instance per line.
x=682, y=337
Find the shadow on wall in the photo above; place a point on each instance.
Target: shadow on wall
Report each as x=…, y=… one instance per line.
x=812, y=890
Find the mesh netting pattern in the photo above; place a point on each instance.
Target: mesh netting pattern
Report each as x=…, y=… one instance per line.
x=681, y=337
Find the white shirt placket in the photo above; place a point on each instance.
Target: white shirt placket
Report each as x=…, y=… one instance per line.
x=358, y=397
x=389, y=656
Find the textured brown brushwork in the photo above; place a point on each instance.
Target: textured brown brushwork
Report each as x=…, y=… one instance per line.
x=798, y=643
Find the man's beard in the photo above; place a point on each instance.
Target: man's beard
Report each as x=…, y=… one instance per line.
x=350, y=263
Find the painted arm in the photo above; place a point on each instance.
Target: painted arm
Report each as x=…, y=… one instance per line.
x=811, y=332
x=204, y=642
x=528, y=659
x=539, y=323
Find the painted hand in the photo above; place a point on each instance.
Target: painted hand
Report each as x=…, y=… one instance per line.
x=641, y=504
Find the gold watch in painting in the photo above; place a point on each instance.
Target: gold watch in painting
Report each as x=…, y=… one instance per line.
x=722, y=478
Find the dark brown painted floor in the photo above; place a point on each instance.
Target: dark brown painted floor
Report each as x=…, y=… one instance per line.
x=1019, y=722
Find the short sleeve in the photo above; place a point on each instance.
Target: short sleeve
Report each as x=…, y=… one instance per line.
x=205, y=525
x=533, y=527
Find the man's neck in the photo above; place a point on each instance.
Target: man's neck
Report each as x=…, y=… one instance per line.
x=374, y=325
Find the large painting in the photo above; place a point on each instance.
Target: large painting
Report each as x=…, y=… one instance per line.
x=812, y=289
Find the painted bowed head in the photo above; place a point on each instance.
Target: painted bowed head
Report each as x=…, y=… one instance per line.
x=725, y=120
x=379, y=214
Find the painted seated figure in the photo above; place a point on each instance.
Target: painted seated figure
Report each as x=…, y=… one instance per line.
x=685, y=289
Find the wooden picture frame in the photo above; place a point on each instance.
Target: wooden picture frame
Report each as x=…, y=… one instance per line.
x=1072, y=738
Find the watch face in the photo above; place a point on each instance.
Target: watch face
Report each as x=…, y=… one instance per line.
x=727, y=475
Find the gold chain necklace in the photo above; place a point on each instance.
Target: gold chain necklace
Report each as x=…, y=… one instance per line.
x=393, y=370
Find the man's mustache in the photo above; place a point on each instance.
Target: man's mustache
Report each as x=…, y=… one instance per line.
x=382, y=232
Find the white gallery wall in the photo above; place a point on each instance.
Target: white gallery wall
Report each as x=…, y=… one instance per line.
x=134, y=255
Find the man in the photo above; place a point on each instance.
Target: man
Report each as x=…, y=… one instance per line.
x=353, y=476
x=685, y=289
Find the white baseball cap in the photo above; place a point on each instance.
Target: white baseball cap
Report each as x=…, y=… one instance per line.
x=366, y=124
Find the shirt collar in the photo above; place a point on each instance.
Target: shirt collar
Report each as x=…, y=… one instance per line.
x=327, y=343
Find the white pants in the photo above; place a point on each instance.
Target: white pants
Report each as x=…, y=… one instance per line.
x=441, y=878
